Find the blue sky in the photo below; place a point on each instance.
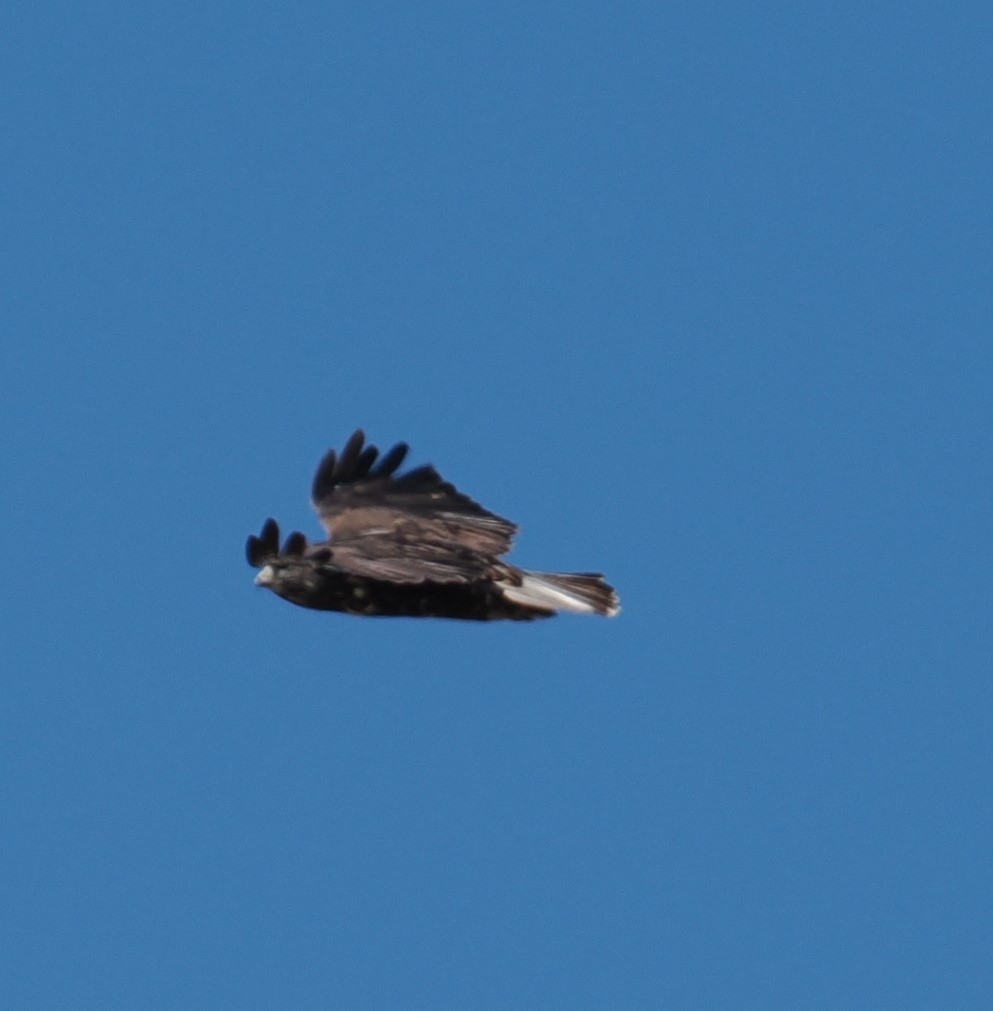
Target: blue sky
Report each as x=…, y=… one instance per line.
x=698, y=294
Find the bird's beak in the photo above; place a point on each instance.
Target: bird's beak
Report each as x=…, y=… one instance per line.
x=264, y=578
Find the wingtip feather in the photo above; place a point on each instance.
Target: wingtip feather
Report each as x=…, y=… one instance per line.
x=258, y=549
x=295, y=544
x=391, y=460
x=350, y=456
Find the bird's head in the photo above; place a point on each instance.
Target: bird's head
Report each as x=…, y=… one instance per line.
x=291, y=572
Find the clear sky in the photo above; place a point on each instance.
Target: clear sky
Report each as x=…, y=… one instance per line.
x=699, y=294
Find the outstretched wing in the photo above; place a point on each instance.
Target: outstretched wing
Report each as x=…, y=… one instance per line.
x=371, y=512
x=393, y=560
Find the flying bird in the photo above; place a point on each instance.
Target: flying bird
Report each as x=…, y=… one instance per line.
x=410, y=544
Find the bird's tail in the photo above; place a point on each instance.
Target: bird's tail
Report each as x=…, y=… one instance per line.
x=582, y=592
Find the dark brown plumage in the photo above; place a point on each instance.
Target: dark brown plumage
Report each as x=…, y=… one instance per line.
x=410, y=544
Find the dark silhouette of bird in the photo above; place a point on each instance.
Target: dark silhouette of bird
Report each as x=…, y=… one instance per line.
x=409, y=544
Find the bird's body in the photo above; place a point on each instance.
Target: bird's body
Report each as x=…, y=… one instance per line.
x=410, y=545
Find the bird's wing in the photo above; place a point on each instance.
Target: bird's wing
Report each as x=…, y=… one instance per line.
x=263, y=549
x=398, y=560
x=359, y=497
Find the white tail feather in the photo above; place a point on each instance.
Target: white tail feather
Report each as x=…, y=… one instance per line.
x=552, y=591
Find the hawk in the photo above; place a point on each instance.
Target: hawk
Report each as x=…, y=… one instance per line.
x=409, y=544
